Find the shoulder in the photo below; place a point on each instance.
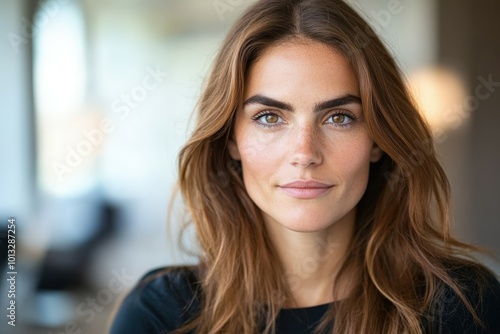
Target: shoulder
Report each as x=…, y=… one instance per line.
x=160, y=302
x=482, y=289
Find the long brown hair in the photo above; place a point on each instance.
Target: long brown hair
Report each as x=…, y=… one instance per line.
x=402, y=248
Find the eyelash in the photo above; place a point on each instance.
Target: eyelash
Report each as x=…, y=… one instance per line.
x=256, y=119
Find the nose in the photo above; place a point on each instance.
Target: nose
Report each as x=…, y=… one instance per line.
x=306, y=147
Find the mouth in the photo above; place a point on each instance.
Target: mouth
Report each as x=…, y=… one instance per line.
x=306, y=189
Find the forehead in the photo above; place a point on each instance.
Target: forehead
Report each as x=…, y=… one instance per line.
x=308, y=66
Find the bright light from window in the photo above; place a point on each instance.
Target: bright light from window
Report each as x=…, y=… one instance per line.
x=60, y=62
x=440, y=95
x=60, y=92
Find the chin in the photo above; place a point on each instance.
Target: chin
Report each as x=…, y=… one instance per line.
x=311, y=220
x=308, y=223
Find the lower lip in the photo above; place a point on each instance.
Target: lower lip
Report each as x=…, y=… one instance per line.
x=306, y=193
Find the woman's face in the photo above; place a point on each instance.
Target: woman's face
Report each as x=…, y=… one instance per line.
x=299, y=133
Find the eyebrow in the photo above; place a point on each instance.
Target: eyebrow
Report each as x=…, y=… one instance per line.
x=270, y=102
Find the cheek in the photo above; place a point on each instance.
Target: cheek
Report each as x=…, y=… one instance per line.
x=260, y=153
x=354, y=161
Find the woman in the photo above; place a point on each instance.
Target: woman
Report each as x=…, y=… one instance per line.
x=317, y=198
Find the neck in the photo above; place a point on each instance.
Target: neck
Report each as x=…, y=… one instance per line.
x=312, y=259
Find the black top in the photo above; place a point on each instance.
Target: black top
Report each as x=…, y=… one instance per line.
x=163, y=300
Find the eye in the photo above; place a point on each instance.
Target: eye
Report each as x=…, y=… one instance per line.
x=340, y=119
x=268, y=119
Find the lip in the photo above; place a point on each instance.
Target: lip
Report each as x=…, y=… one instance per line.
x=306, y=189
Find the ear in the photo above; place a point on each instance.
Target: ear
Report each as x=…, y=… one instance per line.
x=234, y=152
x=376, y=153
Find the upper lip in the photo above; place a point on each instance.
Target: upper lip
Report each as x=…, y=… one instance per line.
x=306, y=184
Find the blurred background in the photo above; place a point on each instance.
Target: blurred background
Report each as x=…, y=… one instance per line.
x=96, y=103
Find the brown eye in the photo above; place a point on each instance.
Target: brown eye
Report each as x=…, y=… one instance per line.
x=271, y=119
x=268, y=119
x=339, y=119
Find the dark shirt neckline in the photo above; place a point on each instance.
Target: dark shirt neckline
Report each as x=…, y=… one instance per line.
x=308, y=308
